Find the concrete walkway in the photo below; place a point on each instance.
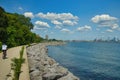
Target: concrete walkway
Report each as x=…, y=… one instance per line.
x=5, y=64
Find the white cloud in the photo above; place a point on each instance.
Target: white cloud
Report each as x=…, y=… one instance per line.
x=115, y=26
x=65, y=30
x=59, y=19
x=109, y=30
x=63, y=23
x=59, y=16
x=28, y=14
x=57, y=27
x=69, y=22
x=42, y=24
x=103, y=17
x=55, y=22
x=39, y=28
x=106, y=20
x=84, y=28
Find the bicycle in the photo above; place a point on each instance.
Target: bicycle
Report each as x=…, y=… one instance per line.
x=4, y=54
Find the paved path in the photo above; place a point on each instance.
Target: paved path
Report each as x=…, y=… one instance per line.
x=5, y=64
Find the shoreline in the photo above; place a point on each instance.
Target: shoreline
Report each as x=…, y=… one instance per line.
x=43, y=67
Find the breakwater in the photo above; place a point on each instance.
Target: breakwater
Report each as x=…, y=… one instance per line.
x=43, y=67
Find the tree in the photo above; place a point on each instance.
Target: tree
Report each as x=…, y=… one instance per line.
x=15, y=29
x=3, y=25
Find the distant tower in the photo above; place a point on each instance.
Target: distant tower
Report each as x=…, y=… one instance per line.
x=46, y=37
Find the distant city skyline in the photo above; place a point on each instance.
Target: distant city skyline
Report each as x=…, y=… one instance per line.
x=70, y=20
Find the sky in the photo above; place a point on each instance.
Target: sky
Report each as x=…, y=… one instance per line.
x=70, y=19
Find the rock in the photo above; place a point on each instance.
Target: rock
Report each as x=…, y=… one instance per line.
x=35, y=75
x=51, y=76
x=43, y=67
x=69, y=76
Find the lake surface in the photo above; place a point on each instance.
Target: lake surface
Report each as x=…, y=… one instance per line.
x=89, y=60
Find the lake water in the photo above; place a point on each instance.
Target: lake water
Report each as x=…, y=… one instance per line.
x=89, y=60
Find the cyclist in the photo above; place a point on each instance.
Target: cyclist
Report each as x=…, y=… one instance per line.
x=4, y=49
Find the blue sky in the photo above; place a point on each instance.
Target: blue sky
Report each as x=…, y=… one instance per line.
x=70, y=19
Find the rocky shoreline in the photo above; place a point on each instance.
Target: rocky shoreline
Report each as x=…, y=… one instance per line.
x=42, y=67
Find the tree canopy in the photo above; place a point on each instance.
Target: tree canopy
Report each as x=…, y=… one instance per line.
x=15, y=29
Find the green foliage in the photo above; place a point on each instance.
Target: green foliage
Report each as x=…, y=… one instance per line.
x=21, y=53
x=15, y=29
x=3, y=25
x=3, y=18
x=17, y=64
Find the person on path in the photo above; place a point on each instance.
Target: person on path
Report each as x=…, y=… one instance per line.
x=4, y=49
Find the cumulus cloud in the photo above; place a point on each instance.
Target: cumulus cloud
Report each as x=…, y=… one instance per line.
x=106, y=20
x=28, y=14
x=42, y=24
x=84, y=28
x=65, y=30
x=109, y=30
x=55, y=22
x=103, y=17
x=59, y=19
x=69, y=22
x=59, y=16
